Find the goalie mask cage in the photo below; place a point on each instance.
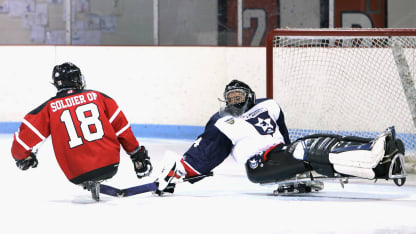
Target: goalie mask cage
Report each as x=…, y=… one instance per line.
x=344, y=81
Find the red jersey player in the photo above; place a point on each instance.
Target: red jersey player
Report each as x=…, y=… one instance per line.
x=86, y=127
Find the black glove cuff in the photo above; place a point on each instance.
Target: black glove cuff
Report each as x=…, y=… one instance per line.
x=140, y=155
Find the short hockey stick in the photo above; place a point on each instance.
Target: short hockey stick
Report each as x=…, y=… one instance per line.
x=115, y=192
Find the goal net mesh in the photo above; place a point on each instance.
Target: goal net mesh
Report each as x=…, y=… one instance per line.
x=345, y=85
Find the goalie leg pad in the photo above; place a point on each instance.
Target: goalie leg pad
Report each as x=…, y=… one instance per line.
x=364, y=158
x=355, y=171
x=370, y=160
x=315, y=150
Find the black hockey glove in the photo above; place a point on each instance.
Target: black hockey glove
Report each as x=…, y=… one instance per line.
x=141, y=162
x=30, y=161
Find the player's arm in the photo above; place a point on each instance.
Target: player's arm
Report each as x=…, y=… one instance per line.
x=33, y=130
x=138, y=153
x=209, y=150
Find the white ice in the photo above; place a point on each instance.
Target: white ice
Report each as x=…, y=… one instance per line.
x=42, y=200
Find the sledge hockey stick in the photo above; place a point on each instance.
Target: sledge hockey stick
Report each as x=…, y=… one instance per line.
x=115, y=192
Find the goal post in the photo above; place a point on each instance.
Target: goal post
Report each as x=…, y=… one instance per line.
x=344, y=81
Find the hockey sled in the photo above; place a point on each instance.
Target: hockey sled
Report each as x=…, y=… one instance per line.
x=306, y=182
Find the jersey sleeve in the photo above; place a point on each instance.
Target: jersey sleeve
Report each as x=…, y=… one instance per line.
x=283, y=128
x=210, y=149
x=120, y=125
x=33, y=130
x=277, y=114
x=280, y=121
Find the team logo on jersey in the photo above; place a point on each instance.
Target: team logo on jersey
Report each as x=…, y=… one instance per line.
x=263, y=123
x=230, y=121
x=69, y=91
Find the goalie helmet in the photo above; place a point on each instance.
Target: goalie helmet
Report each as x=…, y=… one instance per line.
x=67, y=76
x=239, y=98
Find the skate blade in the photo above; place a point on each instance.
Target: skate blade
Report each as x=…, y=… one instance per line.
x=298, y=187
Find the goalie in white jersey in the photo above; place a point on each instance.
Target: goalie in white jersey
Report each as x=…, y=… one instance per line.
x=253, y=131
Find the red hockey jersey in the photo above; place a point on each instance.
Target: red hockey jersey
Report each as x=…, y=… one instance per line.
x=86, y=127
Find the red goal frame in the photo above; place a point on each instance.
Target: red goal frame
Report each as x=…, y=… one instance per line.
x=321, y=32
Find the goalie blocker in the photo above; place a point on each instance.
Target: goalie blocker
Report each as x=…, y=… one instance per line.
x=332, y=156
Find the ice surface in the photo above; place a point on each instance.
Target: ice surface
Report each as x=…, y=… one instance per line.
x=42, y=200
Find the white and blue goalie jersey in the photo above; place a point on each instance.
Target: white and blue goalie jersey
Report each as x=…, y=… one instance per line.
x=260, y=128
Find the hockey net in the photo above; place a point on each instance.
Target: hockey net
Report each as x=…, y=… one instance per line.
x=344, y=81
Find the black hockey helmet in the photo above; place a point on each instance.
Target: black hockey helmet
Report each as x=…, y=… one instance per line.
x=238, y=97
x=67, y=76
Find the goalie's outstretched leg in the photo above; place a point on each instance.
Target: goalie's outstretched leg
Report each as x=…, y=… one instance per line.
x=333, y=156
x=379, y=158
x=382, y=158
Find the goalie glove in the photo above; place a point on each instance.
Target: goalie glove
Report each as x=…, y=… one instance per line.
x=30, y=161
x=141, y=161
x=171, y=173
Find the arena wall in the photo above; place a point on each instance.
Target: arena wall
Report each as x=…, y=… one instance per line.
x=164, y=91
